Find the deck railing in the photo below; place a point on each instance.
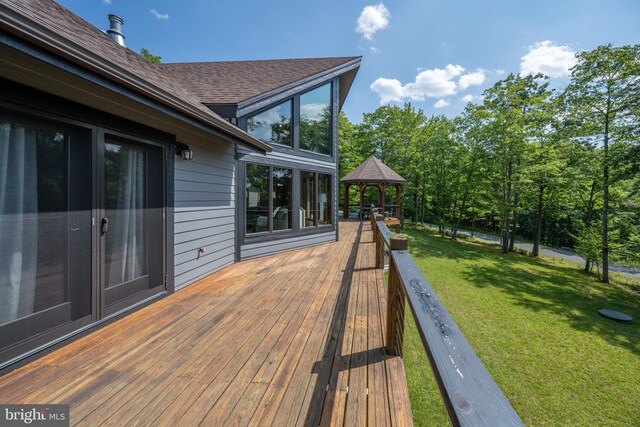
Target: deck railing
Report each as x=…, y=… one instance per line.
x=470, y=395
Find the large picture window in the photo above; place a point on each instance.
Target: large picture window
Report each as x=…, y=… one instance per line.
x=268, y=202
x=303, y=122
x=315, y=120
x=273, y=126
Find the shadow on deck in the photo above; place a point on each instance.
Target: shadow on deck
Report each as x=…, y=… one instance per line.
x=291, y=339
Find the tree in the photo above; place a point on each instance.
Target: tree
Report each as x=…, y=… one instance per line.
x=472, y=158
x=604, y=92
x=150, y=57
x=588, y=246
x=514, y=107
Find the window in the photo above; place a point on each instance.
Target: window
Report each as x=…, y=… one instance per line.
x=315, y=120
x=268, y=202
x=309, y=129
x=315, y=208
x=282, y=219
x=257, y=198
x=324, y=199
x=273, y=125
x=307, y=199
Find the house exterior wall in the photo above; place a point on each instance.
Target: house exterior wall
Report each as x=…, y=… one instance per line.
x=204, y=212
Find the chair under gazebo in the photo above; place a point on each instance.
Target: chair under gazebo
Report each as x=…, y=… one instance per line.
x=373, y=173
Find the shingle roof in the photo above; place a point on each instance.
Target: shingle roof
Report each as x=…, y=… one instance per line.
x=57, y=29
x=373, y=170
x=232, y=82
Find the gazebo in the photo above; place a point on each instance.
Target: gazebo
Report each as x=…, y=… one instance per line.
x=372, y=173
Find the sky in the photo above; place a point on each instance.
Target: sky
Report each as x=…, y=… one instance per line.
x=437, y=54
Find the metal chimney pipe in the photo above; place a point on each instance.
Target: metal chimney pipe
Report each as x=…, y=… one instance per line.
x=115, y=29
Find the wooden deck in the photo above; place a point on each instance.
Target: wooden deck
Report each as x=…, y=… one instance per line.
x=290, y=339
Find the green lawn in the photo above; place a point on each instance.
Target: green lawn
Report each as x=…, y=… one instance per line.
x=535, y=325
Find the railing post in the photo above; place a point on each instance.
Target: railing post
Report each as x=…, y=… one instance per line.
x=378, y=239
x=395, y=300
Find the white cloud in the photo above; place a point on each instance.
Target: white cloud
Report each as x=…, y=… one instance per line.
x=434, y=83
x=499, y=72
x=548, y=58
x=389, y=90
x=159, y=15
x=471, y=79
x=106, y=1
x=372, y=19
x=374, y=49
x=441, y=103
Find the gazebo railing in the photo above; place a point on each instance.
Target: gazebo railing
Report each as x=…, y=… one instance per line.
x=470, y=395
x=367, y=209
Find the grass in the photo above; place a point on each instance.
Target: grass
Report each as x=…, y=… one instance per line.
x=535, y=325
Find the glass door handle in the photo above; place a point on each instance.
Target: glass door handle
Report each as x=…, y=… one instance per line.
x=105, y=225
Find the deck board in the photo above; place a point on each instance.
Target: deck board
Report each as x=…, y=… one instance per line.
x=289, y=339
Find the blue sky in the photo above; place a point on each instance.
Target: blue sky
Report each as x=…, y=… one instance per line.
x=438, y=54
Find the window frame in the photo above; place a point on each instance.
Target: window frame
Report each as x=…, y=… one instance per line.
x=270, y=230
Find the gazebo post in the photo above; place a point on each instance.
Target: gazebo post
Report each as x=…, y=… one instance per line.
x=398, y=201
x=362, y=187
x=382, y=188
x=345, y=214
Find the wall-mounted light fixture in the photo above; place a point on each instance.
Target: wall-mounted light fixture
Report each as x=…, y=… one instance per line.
x=184, y=151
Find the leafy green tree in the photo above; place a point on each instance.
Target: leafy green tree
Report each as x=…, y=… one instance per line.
x=514, y=108
x=589, y=245
x=150, y=57
x=604, y=93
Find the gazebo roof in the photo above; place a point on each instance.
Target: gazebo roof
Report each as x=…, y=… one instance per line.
x=373, y=170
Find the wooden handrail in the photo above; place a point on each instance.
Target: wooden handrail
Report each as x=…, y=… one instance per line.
x=470, y=394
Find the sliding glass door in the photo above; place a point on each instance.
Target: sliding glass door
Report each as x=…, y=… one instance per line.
x=81, y=228
x=131, y=224
x=45, y=227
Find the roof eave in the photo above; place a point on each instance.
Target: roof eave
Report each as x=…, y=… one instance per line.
x=41, y=36
x=360, y=181
x=255, y=103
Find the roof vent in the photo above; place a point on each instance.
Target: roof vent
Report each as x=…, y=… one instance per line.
x=115, y=29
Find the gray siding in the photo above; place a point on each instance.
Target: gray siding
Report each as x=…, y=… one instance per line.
x=204, y=212
x=254, y=250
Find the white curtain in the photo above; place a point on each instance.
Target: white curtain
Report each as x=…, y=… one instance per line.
x=18, y=221
x=126, y=223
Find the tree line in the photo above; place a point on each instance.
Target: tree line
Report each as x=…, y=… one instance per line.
x=557, y=166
